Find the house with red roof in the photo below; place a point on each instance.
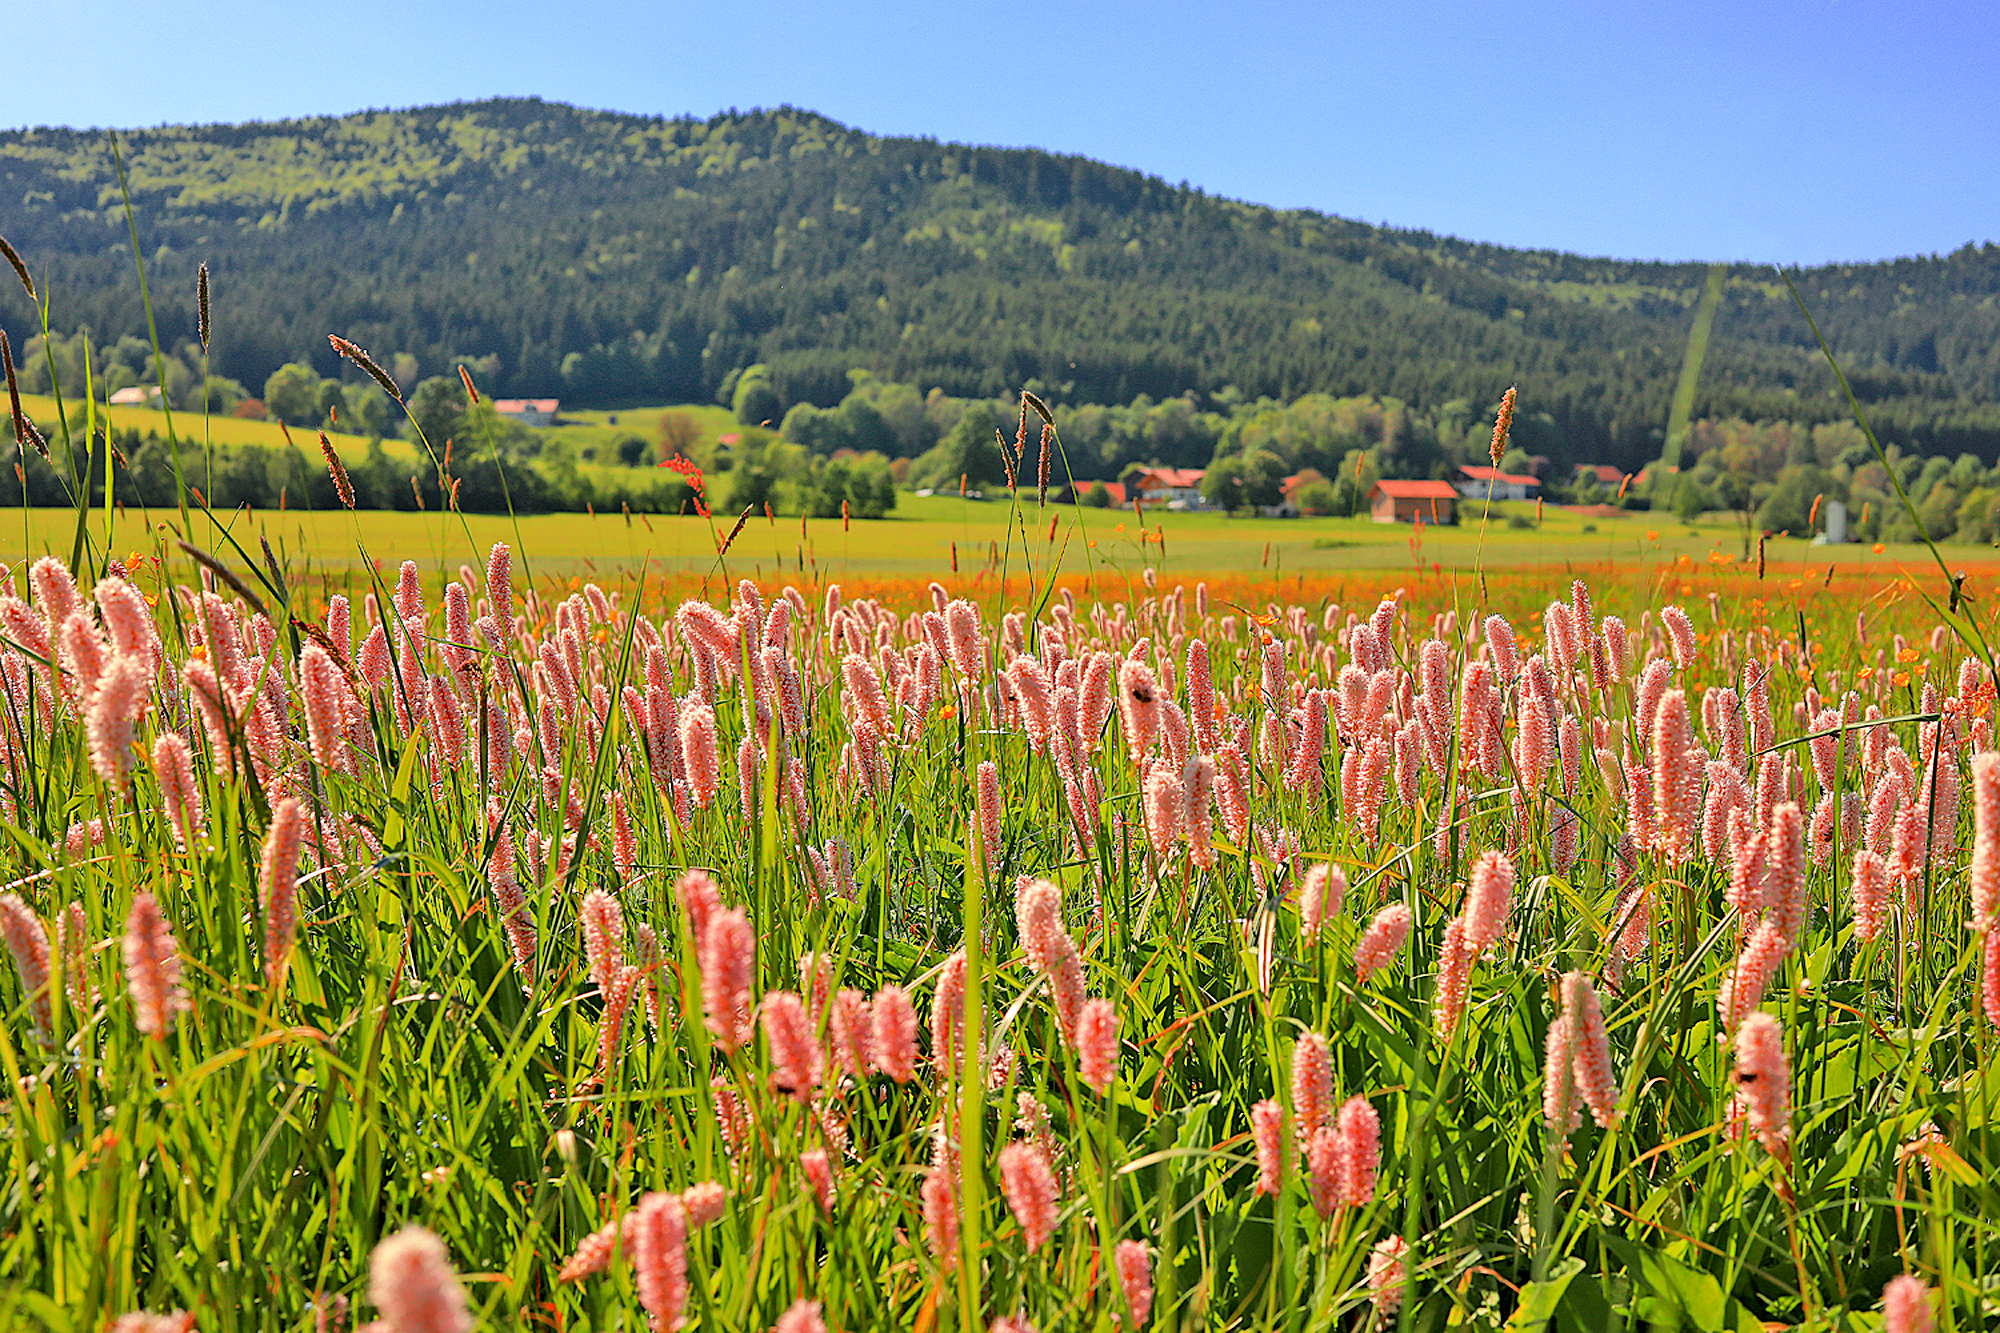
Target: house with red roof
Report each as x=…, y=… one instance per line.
x=1170, y=487
x=1479, y=483
x=1412, y=501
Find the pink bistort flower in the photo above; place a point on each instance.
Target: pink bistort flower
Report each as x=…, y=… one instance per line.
x=793, y=1058
x=279, y=880
x=1487, y=902
x=1030, y=1186
x=1764, y=1082
x=28, y=942
x=1590, y=1048
x=659, y=1256
x=728, y=951
x=802, y=1316
x=1135, y=1275
x=1360, y=1130
x=895, y=1023
x=1312, y=1084
x=1906, y=1306
x=1097, y=1043
x=411, y=1281
x=1381, y=941
x=152, y=968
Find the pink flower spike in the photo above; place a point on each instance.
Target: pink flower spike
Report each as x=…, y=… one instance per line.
x=411, y=1281
x=603, y=927
x=1764, y=1082
x=1906, y=1306
x=802, y=1317
x=1325, y=1169
x=819, y=1177
x=280, y=884
x=727, y=954
x=324, y=693
x=940, y=1200
x=794, y=1060
x=1360, y=1130
x=1267, y=1132
x=593, y=1253
x=119, y=701
x=659, y=1255
x=28, y=942
x=989, y=815
x=1038, y=918
x=1382, y=941
x=948, y=1016
x=1097, y=1043
x=1387, y=1275
x=851, y=1027
x=500, y=585
x=698, y=752
x=1454, y=977
x=1986, y=841
x=701, y=900
x=895, y=1021
x=1590, y=1048
x=1135, y=1275
x=1487, y=902
x=173, y=763
x=704, y=1203
x=1989, y=978
x=73, y=944
x=1030, y=1187
x=1871, y=894
x=1312, y=1084
x=1321, y=895
x=1558, y=1081
x=152, y=968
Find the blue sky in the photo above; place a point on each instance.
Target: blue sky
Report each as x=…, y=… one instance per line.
x=1802, y=131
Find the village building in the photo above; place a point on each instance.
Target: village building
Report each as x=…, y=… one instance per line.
x=1412, y=502
x=528, y=411
x=1480, y=483
x=1170, y=487
x=137, y=395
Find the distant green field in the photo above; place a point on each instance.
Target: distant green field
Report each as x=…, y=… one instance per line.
x=925, y=536
x=593, y=434
x=194, y=427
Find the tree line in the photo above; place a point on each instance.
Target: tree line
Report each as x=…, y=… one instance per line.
x=611, y=260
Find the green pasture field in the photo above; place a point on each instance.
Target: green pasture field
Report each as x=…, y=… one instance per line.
x=600, y=430
x=960, y=541
x=196, y=428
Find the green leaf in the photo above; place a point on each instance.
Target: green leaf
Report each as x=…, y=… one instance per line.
x=1539, y=1300
x=399, y=794
x=1695, y=1299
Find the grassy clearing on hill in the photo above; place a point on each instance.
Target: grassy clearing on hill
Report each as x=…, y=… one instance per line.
x=194, y=427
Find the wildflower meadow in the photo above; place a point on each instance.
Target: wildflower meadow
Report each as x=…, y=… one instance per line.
x=453, y=950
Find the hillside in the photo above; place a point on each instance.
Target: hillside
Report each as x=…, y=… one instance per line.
x=609, y=258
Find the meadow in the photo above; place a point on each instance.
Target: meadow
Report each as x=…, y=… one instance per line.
x=561, y=923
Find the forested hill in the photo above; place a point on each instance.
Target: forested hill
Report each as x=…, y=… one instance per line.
x=609, y=258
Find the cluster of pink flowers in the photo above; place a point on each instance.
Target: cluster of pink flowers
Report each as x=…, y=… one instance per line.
x=1233, y=735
